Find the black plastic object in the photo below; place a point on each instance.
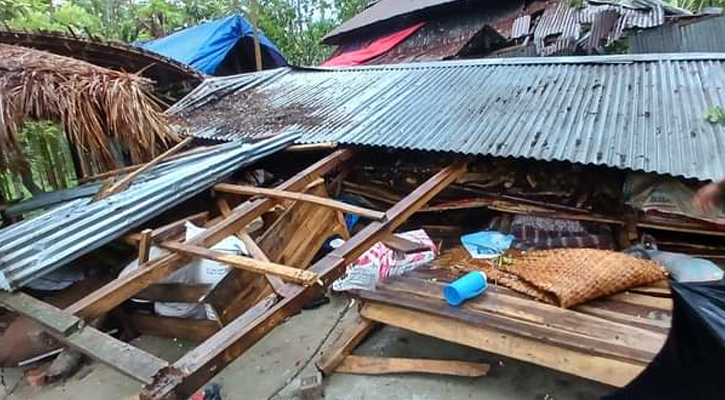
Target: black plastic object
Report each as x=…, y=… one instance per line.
x=691, y=364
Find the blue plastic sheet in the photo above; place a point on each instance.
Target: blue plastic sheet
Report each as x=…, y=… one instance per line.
x=487, y=244
x=206, y=45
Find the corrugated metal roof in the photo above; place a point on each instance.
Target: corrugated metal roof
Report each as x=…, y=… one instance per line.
x=382, y=11
x=35, y=247
x=557, y=30
x=706, y=35
x=641, y=112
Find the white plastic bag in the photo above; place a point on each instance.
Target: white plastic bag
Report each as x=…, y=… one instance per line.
x=199, y=271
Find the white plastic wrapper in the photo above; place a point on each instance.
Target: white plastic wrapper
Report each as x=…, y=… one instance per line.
x=199, y=271
x=380, y=262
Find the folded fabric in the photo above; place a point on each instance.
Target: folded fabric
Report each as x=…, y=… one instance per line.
x=486, y=244
x=565, y=277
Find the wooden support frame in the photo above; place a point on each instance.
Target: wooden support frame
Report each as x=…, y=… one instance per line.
x=201, y=364
x=184, y=377
x=278, y=285
x=286, y=195
x=123, y=288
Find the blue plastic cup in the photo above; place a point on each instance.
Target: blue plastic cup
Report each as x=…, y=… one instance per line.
x=468, y=286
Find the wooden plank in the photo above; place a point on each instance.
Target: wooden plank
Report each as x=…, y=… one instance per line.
x=296, y=196
x=652, y=319
x=643, y=300
x=404, y=245
x=122, y=357
x=609, y=371
x=248, y=264
x=131, y=168
x=123, y=288
x=521, y=328
x=344, y=345
x=54, y=319
x=126, y=181
x=201, y=364
x=496, y=302
x=293, y=239
x=178, y=328
x=174, y=292
x=144, y=246
x=362, y=365
x=279, y=286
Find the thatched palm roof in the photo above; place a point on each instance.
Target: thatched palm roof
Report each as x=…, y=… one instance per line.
x=92, y=104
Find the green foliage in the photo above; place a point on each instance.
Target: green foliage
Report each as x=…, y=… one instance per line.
x=715, y=115
x=696, y=5
x=295, y=26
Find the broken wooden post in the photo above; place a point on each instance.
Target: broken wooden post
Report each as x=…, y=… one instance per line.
x=126, y=181
x=296, y=275
x=144, y=246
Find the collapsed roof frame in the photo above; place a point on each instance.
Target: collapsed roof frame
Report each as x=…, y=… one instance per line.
x=182, y=378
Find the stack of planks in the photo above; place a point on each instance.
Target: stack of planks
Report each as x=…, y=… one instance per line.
x=608, y=340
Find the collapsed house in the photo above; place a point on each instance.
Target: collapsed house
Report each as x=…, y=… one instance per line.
x=391, y=32
x=414, y=174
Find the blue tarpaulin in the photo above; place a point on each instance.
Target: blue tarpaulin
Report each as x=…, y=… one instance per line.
x=206, y=45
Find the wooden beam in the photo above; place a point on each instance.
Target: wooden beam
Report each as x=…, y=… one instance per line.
x=606, y=370
x=68, y=329
x=344, y=345
x=123, y=288
x=296, y=275
x=199, y=365
x=311, y=147
x=286, y=195
x=131, y=168
x=294, y=238
x=362, y=365
x=279, y=286
x=126, y=181
x=144, y=246
x=178, y=328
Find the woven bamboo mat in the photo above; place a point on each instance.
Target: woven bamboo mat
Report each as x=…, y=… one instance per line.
x=565, y=277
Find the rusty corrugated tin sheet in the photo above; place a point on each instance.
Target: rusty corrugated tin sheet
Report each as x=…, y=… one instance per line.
x=602, y=28
x=638, y=112
x=521, y=27
x=683, y=36
x=557, y=30
x=40, y=245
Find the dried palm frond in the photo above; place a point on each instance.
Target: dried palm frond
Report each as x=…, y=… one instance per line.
x=91, y=103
